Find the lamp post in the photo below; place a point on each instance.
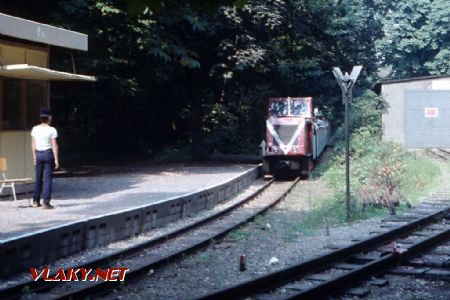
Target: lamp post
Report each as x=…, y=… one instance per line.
x=346, y=82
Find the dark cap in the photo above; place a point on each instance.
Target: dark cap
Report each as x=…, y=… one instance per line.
x=45, y=112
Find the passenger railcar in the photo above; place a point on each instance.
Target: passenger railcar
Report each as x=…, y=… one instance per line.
x=294, y=136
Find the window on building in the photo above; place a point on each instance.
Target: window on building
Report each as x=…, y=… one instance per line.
x=12, y=105
x=22, y=100
x=36, y=98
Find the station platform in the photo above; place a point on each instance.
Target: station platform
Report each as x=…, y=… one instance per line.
x=79, y=198
x=95, y=210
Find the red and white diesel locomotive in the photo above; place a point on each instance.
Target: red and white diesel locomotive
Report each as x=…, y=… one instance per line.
x=295, y=137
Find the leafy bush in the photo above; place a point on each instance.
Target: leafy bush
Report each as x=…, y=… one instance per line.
x=376, y=170
x=366, y=112
x=381, y=173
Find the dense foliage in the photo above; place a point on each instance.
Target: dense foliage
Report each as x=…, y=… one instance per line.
x=382, y=174
x=416, y=40
x=195, y=74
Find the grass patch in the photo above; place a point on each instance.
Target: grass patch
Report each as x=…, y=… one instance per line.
x=326, y=211
x=240, y=234
x=422, y=175
x=206, y=257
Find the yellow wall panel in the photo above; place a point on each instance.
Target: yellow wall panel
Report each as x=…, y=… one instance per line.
x=16, y=148
x=29, y=167
x=36, y=58
x=13, y=55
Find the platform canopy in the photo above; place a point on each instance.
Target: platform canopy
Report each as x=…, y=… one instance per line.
x=25, y=71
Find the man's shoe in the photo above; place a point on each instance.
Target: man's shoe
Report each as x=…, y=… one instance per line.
x=47, y=206
x=36, y=203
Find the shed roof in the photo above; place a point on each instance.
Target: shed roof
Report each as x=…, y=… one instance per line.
x=377, y=86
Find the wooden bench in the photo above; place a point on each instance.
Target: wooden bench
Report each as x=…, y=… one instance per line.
x=6, y=182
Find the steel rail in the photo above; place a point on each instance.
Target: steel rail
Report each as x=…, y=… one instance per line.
x=440, y=153
x=278, y=278
x=337, y=284
x=445, y=152
x=102, y=287
x=15, y=291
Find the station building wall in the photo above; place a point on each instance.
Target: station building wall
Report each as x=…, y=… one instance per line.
x=20, y=101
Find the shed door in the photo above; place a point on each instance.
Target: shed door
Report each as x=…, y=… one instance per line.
x=427, y=119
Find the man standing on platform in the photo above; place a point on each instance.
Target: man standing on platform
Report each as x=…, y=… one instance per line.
x=45, y=158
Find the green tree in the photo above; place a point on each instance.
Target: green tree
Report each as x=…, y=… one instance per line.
x=416, y=38
x=196, y=73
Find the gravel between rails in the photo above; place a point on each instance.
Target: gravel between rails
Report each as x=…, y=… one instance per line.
x=267, y=238
x=271, y=236
x=219, y=265
x=208, y=233
x=84, y=257
x=407, y=288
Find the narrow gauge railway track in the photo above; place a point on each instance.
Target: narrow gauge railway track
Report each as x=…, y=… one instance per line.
x=445, y=152
x=140, y=259
x=441, y=153
x=339, y=270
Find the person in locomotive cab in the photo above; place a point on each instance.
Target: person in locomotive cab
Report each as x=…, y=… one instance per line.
x=44, y=148
x=298, y=107
x=279, y=109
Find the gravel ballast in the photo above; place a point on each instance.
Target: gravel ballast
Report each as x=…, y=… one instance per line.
x=271, y=242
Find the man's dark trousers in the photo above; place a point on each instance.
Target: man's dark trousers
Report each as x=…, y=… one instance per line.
x=44, y=175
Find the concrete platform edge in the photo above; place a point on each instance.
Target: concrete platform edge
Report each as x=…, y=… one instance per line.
x=40, y=247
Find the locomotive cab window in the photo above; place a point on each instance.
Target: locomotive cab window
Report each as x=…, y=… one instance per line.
x=279, y=109
x=292, y=107
x=298, y=108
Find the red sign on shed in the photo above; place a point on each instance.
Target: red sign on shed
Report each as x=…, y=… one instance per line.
x=431, y=112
